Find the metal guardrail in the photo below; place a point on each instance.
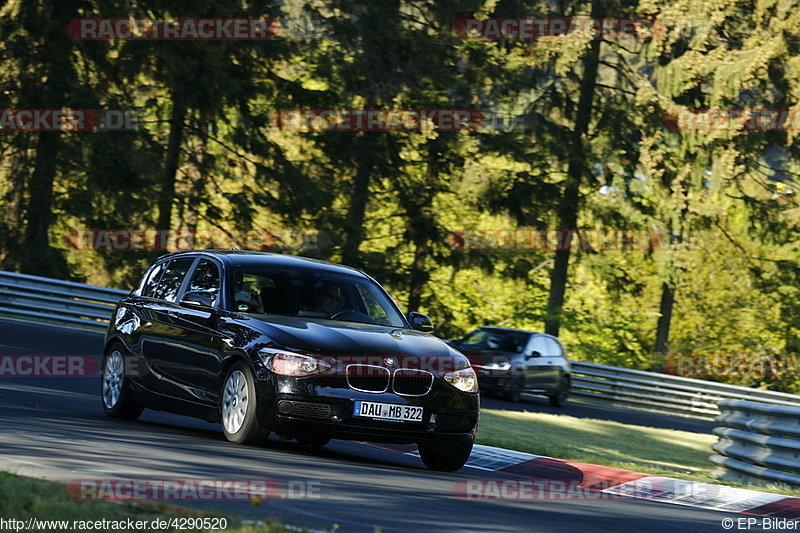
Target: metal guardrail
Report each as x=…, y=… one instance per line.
x=88, y=306
x=758, y=443
x=663, y=393
x=58, y=302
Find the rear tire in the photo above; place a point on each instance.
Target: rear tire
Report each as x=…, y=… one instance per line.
x=445, y=456
x=238, y=407
x=115, y=394
x=560, y=398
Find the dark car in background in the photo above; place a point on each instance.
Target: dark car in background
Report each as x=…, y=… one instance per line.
x=307, y=349
x=510, y=362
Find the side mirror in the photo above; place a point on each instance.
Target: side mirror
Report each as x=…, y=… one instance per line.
x=533, y=354
x=197, y=299
x=420, y=322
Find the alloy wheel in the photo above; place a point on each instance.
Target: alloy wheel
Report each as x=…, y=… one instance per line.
x=112, y=379
x=234, y=402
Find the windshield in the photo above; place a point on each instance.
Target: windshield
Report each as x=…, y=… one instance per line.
x=506, y=341
x=312, y=294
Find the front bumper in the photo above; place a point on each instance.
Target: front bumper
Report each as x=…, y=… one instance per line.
x=494, y=381
x=326, y=409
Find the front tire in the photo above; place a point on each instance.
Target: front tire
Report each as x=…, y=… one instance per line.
x=445, y=456
x=514, y=394
x=238, y=407
x=116, y=394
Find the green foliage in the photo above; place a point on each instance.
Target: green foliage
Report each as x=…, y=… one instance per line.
x=720, y=204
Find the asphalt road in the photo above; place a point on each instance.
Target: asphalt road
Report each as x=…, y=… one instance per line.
x=539, y=404
x=54, y=428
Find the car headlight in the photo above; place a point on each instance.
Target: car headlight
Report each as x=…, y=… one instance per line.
x=464, y=379
x=498, y=365
x=292, y=364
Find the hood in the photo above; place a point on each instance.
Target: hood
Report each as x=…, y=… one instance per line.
x=484, y=356
x=336, y=338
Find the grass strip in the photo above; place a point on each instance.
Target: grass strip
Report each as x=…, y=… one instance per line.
x=22, y=499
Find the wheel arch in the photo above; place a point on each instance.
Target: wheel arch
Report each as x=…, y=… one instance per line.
x=233, y=357
x=114, y=339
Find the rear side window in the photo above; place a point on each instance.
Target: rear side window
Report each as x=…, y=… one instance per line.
x=540, y=344
x=150, y=284
x=553, y=349
x=205, y=279
x=173, y=277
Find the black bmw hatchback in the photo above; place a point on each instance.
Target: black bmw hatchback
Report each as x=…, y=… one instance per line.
x=303, y=348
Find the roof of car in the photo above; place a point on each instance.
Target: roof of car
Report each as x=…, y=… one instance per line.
x=248, y=258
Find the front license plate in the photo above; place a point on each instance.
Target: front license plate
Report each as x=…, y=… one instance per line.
x=388, y=411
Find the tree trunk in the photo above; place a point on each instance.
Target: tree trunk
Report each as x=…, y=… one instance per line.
x=52, y=62
x=664, y=318
x=37, y=256
x=11, y=228
x=418, y=275
x=668, y=295
x=356, y=213
x=197, y=174
x=166, y=194
x=567, y=214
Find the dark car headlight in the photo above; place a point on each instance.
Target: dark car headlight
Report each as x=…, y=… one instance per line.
x=463, y=379
x=292, y=364
x=500, y=365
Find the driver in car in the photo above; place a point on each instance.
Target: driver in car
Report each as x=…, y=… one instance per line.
x=328, y=299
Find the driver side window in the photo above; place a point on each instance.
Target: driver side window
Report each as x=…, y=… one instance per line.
x=206, y=280
x=249, y=291
x=476, y=338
